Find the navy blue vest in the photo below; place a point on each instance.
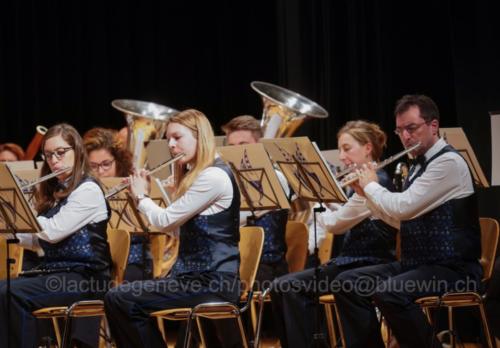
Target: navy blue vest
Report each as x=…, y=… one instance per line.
x=274, y=225
x=86, y=249
x=209, y=243
x=140, y=253
x=449, y=234
x=371, y=241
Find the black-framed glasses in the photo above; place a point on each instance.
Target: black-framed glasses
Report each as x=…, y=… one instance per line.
x=411, y=128
x=105, y=165
x=59, y=153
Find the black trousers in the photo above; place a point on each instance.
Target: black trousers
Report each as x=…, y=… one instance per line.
x=32, y=293
x=128, y=306
x=293, y=302
x=393, y=290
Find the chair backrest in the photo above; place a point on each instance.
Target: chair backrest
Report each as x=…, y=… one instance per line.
x=489, y=242
x=325, y=249
x=15, y=253
x=297, y=237
x=164, y=250
x=251, y=243
x=119, y=245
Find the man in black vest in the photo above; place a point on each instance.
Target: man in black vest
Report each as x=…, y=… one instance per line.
x=440, y=236
x=243, y=130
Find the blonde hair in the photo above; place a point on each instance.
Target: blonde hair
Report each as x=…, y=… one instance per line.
x=365, y=132
x=202, y=131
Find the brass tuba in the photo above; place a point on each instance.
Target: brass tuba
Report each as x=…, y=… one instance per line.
x=284, y=110
x=146, y=121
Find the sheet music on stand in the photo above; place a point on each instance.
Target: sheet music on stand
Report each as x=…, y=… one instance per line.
x=25, y=177
x=124, y=212
x=157, y=152
x=259, y=185
x=16, y=213
x=305, y=168
x=456, y=137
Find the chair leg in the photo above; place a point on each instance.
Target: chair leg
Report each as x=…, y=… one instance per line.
x=450, y=326
x=330, y=325
x=486, y=327
x=161, y=327
x=67, y=331
x=339, y=323
x=253, y=314
x=187, y=336
x=242, y=331
x=200, y=332
x=57, y=331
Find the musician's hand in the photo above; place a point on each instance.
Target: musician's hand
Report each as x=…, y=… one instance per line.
x=355, y=186
x=169, y=184
x=366, y=175
x=140, y=183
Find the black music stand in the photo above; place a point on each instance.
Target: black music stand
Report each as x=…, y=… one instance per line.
x=16, y=216
x=312, y=180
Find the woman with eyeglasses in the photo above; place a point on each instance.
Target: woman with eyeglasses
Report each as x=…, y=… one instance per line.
x=109, y=158
x=76, y=262
x=205, y=213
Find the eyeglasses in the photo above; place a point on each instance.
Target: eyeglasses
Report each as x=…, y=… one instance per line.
x=59, y=153
x=411, y=128
x=105, y=165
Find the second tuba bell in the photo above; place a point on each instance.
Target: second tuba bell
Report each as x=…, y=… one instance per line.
x=146, y=121
x=284, y=110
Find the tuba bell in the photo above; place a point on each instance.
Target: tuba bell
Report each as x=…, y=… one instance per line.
x=145, y=121
x=284, y=110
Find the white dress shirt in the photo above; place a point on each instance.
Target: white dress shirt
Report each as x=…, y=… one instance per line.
x=210, y=193
x=86, y=204
x=447, y=177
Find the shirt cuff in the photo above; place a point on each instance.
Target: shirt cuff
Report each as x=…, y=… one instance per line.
x=144, y=204
x=372, y=188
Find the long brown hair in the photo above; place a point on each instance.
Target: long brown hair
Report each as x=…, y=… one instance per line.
x=202, y=131
x=107, y=139
x=48, y=192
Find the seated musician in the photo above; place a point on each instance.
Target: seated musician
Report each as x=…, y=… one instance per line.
x=109, y=158
x=367, y=241
x=246, y=130
x=73, y=216
x=206, y=210
x=10, y=152
x=440, y=236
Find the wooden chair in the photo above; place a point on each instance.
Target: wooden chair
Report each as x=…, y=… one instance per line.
x=164, y=249
x=119, y=244
x=326, y=248
x=251, y=243
x=489, y=242
x=296, y=244
x=16, y=254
